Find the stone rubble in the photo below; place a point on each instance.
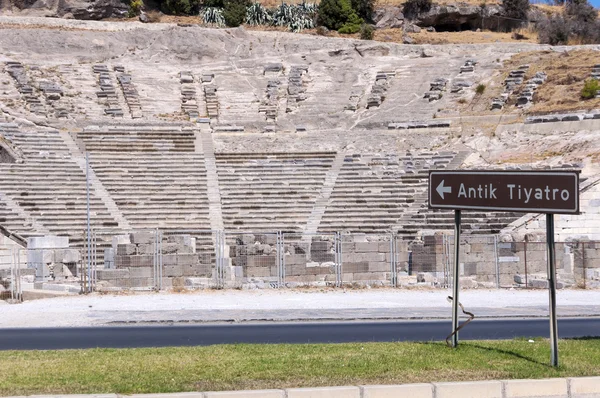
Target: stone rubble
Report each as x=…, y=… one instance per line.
x=436, y=89
x=130, y=93
x=379, y=88
x=17, y=71
x=108, y=93
x=511, y=83
x=296, y=86
x=189, y=103
x=469, y=66
x=525, y=98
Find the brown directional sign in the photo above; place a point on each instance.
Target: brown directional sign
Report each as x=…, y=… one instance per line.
x=518, y=191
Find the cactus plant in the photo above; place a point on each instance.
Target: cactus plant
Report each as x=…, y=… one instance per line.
x=256, y=14
x=214, y=16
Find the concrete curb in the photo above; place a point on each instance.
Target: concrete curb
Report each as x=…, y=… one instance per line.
x=574, y=387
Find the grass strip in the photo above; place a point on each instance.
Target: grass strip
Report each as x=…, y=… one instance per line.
x=235, y=367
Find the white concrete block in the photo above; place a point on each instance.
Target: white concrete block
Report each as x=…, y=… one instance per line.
x=246, y=394
x=48, y=242
x=324, y=392
x=407, y=390
x=546, y=388
x=470, y=389
x=120, y=240
x=585, y=387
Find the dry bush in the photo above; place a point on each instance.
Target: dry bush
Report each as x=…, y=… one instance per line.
x=154, y=16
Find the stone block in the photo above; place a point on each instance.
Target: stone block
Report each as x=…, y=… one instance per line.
x=169, y=259
x=48, y=242
x=169, y=248
x=370, y=276
x=472, y=389
x=324, y=392
x=141, y=261
x=383, y=247
x=320, y=246
x=126, y=249
x=380, y=267
x=35, y=257
x=261, y=261
x=149, y=249
x=257, y=272
x=187, y=259
x=143, y=238
x=356, y=267
x=245, y=394
x=348, y=247
x=122, y=261
x=408, y=390
x=120, y=240
x=108, y=274
x=544, y=388
x=67, y=256
x=141, y=272
x=138, y=282
x=171, y=271
x=109, y=257
x=584, y=387
x=365, y=247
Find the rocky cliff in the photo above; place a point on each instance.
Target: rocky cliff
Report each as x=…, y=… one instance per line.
x=78, y=9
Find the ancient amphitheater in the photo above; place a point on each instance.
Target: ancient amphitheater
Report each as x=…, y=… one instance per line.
x=228, y=157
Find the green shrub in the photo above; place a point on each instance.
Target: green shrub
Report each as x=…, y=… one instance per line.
x=364, y=8
x=180, y=7
x=135, y=7
x=412, y=8
x=234, y=12
x=480, y=89
x=334, y=14
x=591, y=88
x=366, y=32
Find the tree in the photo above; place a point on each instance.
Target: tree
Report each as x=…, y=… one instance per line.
x=180, y=7
x=334, y=14
x=554, y=31
x=234, y=12
x=364, y=9
x=516, y=8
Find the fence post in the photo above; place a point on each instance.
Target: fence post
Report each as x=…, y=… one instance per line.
x=584, y=266
x=525, y=259
x=394, y=260
x=496, y=258
x=339, y=261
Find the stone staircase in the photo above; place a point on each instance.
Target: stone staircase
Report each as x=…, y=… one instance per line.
x=372, y=192
x=214, y=195
x=270, y=191
x=46, y=194
x=314, y=220
x=153, y=174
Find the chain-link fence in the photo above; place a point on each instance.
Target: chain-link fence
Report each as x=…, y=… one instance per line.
x=195, y=259
x=312, y=259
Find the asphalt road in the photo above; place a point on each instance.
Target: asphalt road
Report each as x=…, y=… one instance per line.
x=305, y=332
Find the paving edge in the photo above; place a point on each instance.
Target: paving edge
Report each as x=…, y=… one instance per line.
x=572, y=387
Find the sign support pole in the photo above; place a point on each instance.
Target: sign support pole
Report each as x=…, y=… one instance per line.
x=552, y=288
x=455, y=278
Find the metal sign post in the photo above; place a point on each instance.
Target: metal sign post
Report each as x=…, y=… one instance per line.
x=550, y=192
x=456, y=278
x=552, y=288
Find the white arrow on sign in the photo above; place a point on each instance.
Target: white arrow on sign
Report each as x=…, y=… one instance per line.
x=441, y=189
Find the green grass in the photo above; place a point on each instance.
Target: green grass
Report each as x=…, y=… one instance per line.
x=231, y=367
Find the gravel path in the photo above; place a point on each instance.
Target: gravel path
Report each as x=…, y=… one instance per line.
x=235, y=305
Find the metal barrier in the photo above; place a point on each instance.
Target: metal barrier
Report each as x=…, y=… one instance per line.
x=191, y=259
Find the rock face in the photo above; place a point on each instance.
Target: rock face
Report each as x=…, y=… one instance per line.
x=388, y=17
x=459, y=17
x=78, y=9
